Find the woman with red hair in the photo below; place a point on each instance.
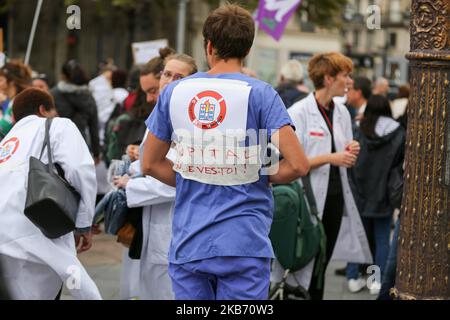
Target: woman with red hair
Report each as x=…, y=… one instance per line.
x=324, y=129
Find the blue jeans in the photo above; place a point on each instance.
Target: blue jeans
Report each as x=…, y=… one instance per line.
x=379, y=229
x=391, y=267
x=221, y=278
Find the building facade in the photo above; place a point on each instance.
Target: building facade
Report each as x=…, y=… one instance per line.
x=375, y=34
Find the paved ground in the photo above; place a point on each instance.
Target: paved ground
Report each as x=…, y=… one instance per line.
x=103, y=263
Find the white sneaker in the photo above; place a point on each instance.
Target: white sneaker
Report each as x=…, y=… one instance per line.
x=356, y=285
x=375, y=288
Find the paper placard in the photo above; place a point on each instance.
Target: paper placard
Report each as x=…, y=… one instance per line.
x=143, y=52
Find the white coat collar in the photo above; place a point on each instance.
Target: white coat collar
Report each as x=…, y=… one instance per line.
x=313, y=110
x=25, y=121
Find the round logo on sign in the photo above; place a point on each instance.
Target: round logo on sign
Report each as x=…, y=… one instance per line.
x=207, y=110
x=8, y=148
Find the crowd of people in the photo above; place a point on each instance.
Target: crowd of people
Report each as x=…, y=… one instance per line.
x=192, y=229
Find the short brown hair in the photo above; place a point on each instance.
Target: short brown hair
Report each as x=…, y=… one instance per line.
x=156, y=65
x=28, y=102
x=329, y=63
x=231, y=30
x=17, y=72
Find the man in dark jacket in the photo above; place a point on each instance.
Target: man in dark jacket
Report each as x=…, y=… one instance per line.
x=357, y=97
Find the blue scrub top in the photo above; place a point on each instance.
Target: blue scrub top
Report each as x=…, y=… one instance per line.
x=219, y=221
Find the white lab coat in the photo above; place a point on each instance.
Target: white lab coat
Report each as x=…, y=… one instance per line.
x=106, y=99
x=34, y=266
x=352, y=244
x=158, y=200
x=103, y=94
x=129, y=277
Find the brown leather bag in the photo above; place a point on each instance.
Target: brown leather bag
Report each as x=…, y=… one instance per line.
x=125, y=235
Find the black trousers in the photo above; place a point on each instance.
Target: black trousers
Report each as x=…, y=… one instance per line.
x=331, y=219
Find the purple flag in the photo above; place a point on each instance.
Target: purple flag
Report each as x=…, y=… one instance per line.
x=273, y=15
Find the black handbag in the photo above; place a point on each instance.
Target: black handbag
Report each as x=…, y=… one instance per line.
x=52, y=203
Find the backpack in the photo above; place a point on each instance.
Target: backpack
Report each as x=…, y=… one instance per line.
x=296, y=239
x=113, y=150
x=121, y=132
x=110, y=139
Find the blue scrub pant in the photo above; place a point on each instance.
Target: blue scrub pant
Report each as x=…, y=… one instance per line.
x=221, y=278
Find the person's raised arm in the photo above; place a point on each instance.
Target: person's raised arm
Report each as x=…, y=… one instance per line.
x=154, y=162
x=294, y=163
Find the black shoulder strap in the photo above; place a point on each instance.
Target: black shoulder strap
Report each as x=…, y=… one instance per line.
x=310, y=195
x=51, y=166
x=48, y=123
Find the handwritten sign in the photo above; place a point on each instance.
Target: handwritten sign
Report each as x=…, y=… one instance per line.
x=218, y=165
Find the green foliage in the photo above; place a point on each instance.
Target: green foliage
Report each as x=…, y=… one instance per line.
x=107, y=7
x=5, y=5
x=325, y=13
x=104, y=4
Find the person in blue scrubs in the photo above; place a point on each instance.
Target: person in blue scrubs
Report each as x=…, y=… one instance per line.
x=220, y=248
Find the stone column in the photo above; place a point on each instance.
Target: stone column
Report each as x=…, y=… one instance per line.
x=424, y=240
